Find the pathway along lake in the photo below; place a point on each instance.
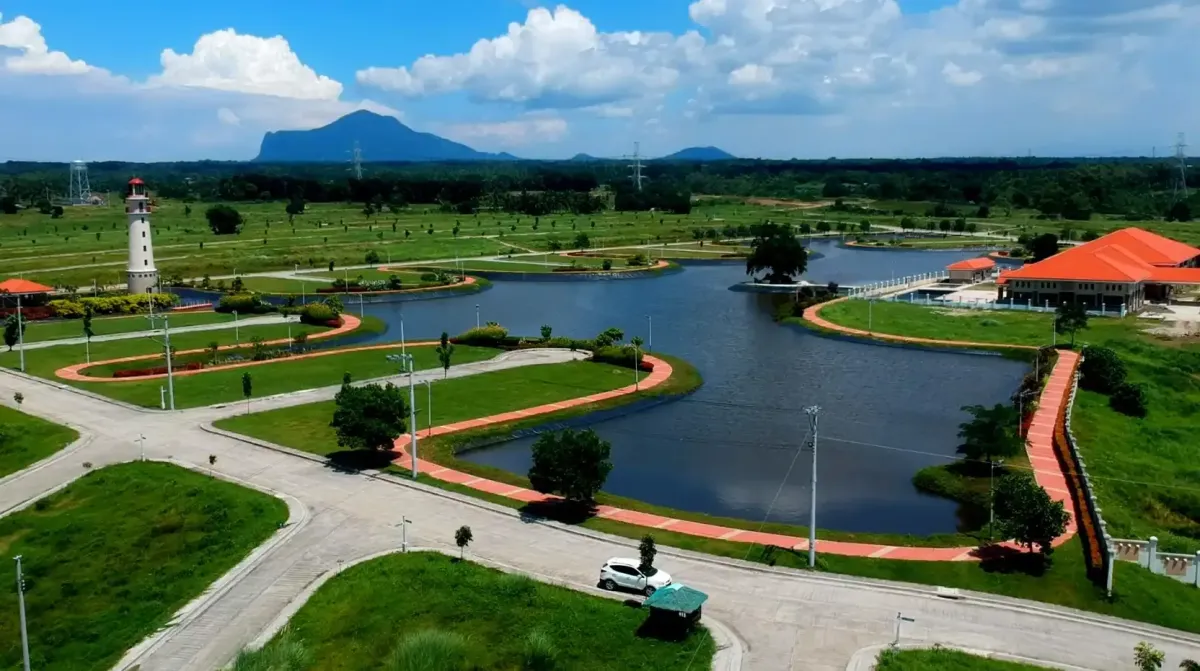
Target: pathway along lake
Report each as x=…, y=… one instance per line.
x=725, y=449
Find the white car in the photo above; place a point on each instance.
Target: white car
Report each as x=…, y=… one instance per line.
x=624, y=573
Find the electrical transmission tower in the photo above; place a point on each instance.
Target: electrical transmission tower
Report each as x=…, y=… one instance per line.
x=356, y=161
x=635, y=168
x=80, y=190
x=1181, y=192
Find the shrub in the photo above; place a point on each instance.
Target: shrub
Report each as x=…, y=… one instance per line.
x=429, y=277
x=244, y=304
x=1129, y=399
x=429, y=649
x=156, y=370
x=625, y=357
x=492, y=335
x=127, y=304
x=317, y=314
x=1102, y=370
x=607, y=264
x=372, y=257
x=539, y=653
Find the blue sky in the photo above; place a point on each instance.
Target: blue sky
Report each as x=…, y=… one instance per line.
x=772, y=78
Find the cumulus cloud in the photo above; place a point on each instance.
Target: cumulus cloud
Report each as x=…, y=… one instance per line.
x=226, y=61
x=555, y=59
x=29, y=54
x=957, y=76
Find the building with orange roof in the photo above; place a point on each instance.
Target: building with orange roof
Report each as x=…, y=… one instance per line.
x=1126, y=268
x=24, y=287
x=970, y=270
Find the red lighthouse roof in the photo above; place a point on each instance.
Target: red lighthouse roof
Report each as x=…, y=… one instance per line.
x=136, y=180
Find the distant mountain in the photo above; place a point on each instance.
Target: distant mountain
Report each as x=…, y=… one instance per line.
x=584, y=158
x=699, y=154
x=382, y=138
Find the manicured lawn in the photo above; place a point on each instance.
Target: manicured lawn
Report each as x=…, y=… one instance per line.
x=25, y=439
x=110, y=558
x=306, y=427
x=985, y=326
x=279, y=285
x=73, y=328
x=943, y=659
x=356, y=620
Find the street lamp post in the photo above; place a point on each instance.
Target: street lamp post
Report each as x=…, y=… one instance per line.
x=477, y=315
x=406, y=363
x=649, y=333
x=170, y=364
x=20, y=333
x=812, y=412
x=992, y=497
x=21, y=607
x=429, y=403
x=237, y=338
x=141, y=441
x=402, y=349
x=404, y=522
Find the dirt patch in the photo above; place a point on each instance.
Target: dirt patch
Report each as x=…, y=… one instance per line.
x=957, y=313
x=1176, y=329
x=6, y=542
x=793, y=204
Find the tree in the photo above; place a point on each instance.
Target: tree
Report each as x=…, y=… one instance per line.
x=8, y=205
x=609, y=337
x=1180, y=211
x=444, y=350
x=247, y=389
x=823, y=226
x=1069, y=318
x=14, y=327
x=1027, y=514
x=369, y=417
x=1043, y=247
x=1129, y=399
x=372, y=258
x=646, y=553
x=1147, y=657
x=572, y=464
x=212, y=461
x=546, y=331
x=223, y=220
x=463, y=538
x=582, y=241
x=991, y=433
x=88, y=312
x=187, y=210
x=295, y=206
x=19, y=398
x=56, y=212
x=777, y=250
x=1189, y=665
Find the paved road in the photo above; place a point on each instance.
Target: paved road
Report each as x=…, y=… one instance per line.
x=218, y=326
x=786, y=619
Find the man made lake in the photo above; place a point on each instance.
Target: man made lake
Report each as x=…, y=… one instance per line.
x=885, y=411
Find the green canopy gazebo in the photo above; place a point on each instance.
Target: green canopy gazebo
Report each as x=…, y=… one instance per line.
x=676, y=603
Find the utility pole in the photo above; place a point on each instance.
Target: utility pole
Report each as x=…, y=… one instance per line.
x=356, y=161
x=20, y=332
x=167, y=348
x=813, y=411
x=635, y=168
x=406, y=363
x=1180, y=191
x=429, y=402
x=650, y=333
x=21, y=606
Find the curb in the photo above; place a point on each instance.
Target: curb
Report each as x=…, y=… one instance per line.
x=298, y=518
x=727, y=657
x=864, y=658
x=904, y=589
x=81, y=442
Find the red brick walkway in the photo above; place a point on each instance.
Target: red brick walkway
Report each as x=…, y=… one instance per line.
x=349, y=323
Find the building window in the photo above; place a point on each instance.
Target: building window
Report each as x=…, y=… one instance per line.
x=143, y=234
x=145, y=262
x=143, y=248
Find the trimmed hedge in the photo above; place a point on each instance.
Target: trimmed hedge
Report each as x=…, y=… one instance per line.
x=625, y=356
x=113, y=305
x=157, y=370
x=492, y=335
x=319, y=314
x=244, y=304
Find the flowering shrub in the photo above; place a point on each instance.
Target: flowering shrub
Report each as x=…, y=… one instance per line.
x=113, y=305
x=157, y=370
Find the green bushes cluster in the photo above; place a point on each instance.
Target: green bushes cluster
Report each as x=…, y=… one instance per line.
x=318, y=314
x=113, y=305
x=489, y=335
x=1102, y=371
x=244, y=304
x=625, y=356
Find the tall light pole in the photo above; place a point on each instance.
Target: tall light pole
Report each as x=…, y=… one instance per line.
x=402, y=349
x=404, y=522
x=429, y=402
x=813, y=411
x=636, y=365
x=170, y=364
x=20, y=333
x=649, y=333
x=406, y=365
x=477, y=315
x=21, y=607
x=237, y=338
x=141, y=441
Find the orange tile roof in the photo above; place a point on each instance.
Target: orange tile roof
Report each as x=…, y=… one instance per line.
x=980, y=263
x=19, y=286
x=1127, y=255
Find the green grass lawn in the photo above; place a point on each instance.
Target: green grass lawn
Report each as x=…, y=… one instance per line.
x=357, y=619
x=306, y=427
x=109, y=559
x=25, y=439
x=279, y=285
x=944, y=659
x=73, y=328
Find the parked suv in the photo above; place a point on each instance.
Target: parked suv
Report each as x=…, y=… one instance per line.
x=624, y=574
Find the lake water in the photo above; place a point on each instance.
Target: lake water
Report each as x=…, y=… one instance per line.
x=725, y=449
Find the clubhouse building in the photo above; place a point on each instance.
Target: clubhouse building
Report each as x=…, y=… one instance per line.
x=1126, y=268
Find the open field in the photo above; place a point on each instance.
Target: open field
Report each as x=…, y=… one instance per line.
x=97, y=582
x=306, y=427
x=1142, y=469
x=362, y=615
x=25, y=440
x=944, y=659
x=73, y=328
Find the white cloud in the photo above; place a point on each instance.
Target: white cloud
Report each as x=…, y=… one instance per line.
x=752, y=74
x=534, y=130
x=227, y=61
x=33, y=57
x=228, y=117
x=957, y=76
x=555, y=59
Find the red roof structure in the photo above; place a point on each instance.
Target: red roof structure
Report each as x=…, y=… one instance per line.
x=978, y=263
x=1129, y=255
x=19, y=286
x=136, y=180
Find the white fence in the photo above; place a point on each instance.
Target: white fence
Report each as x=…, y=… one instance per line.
x=1185, y=568
x=873, y=289
x=877, y=290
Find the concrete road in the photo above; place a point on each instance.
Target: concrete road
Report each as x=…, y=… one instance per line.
x=785, y=619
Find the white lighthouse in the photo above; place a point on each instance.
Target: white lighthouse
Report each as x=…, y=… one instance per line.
x=142, y=275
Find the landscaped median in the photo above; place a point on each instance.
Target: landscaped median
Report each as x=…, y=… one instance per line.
x=110, y=559
x=25, y=440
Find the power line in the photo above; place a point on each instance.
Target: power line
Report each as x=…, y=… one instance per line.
x=1180, y=191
